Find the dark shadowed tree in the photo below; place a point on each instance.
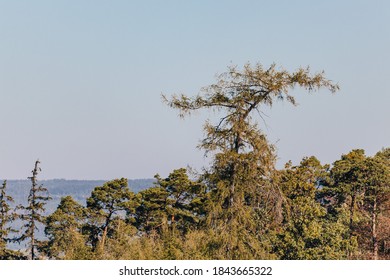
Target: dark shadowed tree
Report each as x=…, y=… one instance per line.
x=185, y=201
x=150, y=213
x=103, y=206
x=175, y=202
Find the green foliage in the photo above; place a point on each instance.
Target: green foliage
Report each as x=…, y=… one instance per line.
x=360, y=185
x=377, y=180
x=150, y=213
x=299, y=212
x=175, y=201
x=376, y=196
x=307, y=231
x=347, y=176
x=63, y=228
x=106, y=203
x=184, y=203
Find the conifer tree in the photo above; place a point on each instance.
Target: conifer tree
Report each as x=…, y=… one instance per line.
x=348, y=181
x=241, y=174
x=7, y=216
x=360, y=185
x=346, y=190
x=64, y=230
x=103, y=206
x=185, y=201
x=33, y=213
x=307, y=232
x=150, y=213
x=377, y=195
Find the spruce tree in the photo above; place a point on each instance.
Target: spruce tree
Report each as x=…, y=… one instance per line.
x=7, y=216
x=33, y=213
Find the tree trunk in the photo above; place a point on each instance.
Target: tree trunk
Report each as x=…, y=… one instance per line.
x=32, y=242
x=104, y=238
x=33, y=190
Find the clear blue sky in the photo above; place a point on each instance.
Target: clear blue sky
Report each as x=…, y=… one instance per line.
x=80, y=81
